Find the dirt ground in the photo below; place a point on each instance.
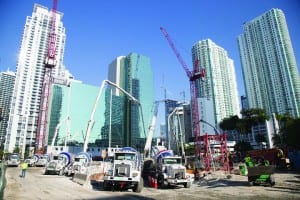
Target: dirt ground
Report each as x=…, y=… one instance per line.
x=216, y=185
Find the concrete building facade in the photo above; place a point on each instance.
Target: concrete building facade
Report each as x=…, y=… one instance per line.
x=7, y=81
x=219, y=86
x=270, y=72
x=30, y=70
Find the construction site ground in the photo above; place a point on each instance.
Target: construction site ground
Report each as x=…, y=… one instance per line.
x=215, y=185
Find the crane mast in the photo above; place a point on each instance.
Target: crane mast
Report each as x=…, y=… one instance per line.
x=50, y=63
x=193, y=76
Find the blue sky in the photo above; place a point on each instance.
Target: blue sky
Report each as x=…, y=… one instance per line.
x=100, y=30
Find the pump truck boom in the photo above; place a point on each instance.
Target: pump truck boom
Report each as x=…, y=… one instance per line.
x=91, y=120
x=147, y=148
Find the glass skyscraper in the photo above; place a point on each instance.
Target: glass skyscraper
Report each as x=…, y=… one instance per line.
x=269, y=66
x=132, y=73
x=30, y=70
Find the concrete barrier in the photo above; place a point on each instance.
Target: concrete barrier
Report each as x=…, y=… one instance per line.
x=94, y=172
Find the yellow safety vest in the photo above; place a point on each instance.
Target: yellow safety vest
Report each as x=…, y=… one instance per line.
x=24, y=165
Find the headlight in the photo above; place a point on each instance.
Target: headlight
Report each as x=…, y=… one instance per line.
x=135, y=174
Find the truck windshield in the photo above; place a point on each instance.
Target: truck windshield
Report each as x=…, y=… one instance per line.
x=125, y=156
x=172, y=161
x=14, y=157
x=79, y=159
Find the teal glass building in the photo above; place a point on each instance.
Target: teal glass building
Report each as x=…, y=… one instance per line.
x=119, y=121
x=126, y=121
x=70, y=111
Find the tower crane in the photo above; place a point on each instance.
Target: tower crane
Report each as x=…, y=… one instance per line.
x=194, y=75
x=50, y=63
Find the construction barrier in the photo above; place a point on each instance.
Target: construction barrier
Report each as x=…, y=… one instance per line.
x=80, y=178
x=94, y=172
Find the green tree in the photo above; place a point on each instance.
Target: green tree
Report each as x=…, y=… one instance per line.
x=242, y=147
x=229, y=123
x=1, y=154
x=250, y=118
x=289, y=128
x=189, y=149
x=17, y=150
x=291, y=132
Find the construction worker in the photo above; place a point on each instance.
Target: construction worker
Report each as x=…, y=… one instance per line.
x=24, y=167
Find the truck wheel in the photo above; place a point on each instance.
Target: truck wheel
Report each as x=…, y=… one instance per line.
x=106, y=186
x=272, y=180
x=139, y=186
x=251, y=180
x=160, y=181
x=187, y=184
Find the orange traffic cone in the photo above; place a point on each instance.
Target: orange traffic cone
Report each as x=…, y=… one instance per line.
x=155, y=183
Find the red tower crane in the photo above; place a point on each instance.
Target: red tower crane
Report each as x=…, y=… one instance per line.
x=193, y=76
x=50, y=63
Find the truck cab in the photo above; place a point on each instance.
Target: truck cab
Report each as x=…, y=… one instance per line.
x=42, y=160
x=13, y=160
x=125, y=172
x=170, y=170
x=81, y=161
x=58, y=164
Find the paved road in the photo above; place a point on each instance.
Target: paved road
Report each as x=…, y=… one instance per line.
x=215, y=186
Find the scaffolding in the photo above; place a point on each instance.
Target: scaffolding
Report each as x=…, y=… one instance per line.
x=215, y=152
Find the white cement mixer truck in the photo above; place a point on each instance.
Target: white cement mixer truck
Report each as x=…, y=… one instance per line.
x=125, y=172
x=58, y=164
x=81, y=161
x=167, y=168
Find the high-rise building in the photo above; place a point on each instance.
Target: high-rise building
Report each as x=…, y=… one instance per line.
x=7, y=80
x=132, y=73
x=218, y=89
x=69, y=113
x=30, y=70
x=270, y=73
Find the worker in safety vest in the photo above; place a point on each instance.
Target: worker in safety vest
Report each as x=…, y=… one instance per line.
x=24, y=167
